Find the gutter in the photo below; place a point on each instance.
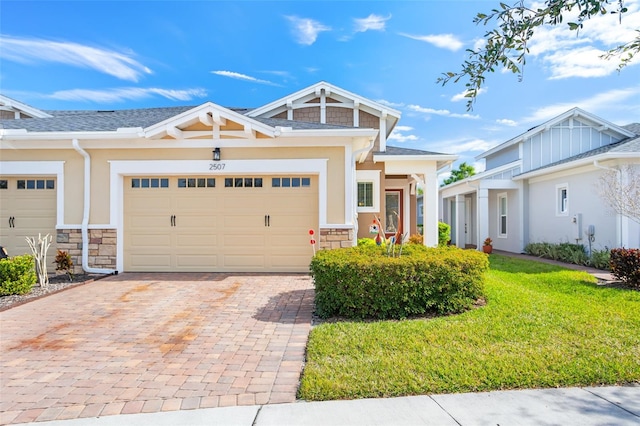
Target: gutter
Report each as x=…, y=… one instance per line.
x=85, y=214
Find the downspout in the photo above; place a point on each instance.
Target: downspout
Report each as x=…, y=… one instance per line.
x=618, y=215
x=85, y=214
x=355, y=186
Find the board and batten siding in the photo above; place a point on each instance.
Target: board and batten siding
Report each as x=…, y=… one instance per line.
x=564, y=140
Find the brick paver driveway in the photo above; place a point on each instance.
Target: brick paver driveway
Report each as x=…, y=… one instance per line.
x=137, y=343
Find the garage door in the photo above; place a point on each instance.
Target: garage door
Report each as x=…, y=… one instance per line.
x=27, y=208
x=228, y=224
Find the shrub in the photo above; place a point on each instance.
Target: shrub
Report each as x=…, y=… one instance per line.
x=600, y=258
x=415, y=239
x=360, y=282
x=569, y=253
x=64, y=263
x=444, y=234
x=625, y=265
x=17, y=275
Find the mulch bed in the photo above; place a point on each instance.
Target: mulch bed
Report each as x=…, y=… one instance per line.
x=56, y=283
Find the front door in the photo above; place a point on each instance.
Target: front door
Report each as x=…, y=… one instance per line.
x=393, y=213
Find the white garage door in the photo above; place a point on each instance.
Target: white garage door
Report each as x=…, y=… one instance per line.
x=27, y=208
x=227, y=224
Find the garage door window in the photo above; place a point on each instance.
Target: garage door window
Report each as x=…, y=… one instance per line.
x=196, y=182
x=290, y=182
x=4, y=184
x=36, y=184
x=150, y=183
x=243, y=182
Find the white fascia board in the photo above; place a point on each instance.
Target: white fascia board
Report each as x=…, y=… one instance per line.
x=22, y=107
x=193, y=115
x=312, y=90
x=574, y=112
x=287, y=132
x=382, y=158
x=576, y=163
x=23, y=134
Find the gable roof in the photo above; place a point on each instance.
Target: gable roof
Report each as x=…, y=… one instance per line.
x=315, y=90
x=13, y=105
x=629, y=147
x=574, y=112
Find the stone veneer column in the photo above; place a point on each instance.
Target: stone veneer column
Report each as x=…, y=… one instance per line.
x=102, y=247
x=332, y=238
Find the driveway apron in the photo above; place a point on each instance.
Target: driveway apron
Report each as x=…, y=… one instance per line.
x=141, y=343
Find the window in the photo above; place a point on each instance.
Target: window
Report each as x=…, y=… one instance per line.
x=150, y=182
x=562, y=200
x=502, y=215
x=365, y=194
x=290, y=182
x=243, y=182
x=368, y=191
x=35, y=184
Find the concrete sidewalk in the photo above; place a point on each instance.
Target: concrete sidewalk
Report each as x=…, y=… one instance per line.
x=616, y=405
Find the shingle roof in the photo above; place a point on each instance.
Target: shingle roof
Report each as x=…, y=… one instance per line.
x=104, y=121
x=394, y=150
x=94, y=121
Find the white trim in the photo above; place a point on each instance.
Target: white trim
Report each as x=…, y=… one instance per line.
x=40, y=168
x=559, y=208
x=120, y=169
x=12, y=104
x=503, y=195
x=372, y=176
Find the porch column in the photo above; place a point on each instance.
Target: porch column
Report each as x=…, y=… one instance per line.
x=430, y=209
x=460, y=221
x=483, y=216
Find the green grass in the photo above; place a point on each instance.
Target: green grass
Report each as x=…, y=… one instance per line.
x=542, y=326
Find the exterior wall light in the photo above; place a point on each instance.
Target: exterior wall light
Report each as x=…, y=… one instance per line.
x=216, y=154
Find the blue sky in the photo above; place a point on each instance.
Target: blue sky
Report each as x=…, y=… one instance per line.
x=120, y=54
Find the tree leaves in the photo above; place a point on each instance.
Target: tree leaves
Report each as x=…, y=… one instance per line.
x=515, y=25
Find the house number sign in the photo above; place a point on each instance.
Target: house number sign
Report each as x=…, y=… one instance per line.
x=217, y=166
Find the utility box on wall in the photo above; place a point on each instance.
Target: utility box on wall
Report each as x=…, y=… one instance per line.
x=576, y=226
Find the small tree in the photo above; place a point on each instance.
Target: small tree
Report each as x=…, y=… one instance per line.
x=463, y=171
x=39, y=251
x=620, y=188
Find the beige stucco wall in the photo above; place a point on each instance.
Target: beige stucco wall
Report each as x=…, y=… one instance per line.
x=100, y=172
x=73, y=170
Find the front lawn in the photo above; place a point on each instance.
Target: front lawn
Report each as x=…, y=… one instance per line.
x=542, y=326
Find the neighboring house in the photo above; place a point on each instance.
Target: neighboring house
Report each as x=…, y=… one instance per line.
x=209, y=188
x=541, y=187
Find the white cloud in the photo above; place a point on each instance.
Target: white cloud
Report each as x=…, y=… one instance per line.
x=371, y=22
x=403, y=128
x=569, y=53
x=306, y=30
x=461, y=96
x=506, y=122
x=126, y=94
x=603, y=104
x=461, y=145
x=243, y=77
x=443, y=41
x=33, y=50
x=399, y=137
x=390, y=104
x=441, y=112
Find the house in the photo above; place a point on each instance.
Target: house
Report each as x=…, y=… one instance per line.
x=541, y=187
x=210, y=188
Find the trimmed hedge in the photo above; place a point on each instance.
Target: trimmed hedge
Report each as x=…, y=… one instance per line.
x=362, y=282
x=625, y=265
x=17, y=275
